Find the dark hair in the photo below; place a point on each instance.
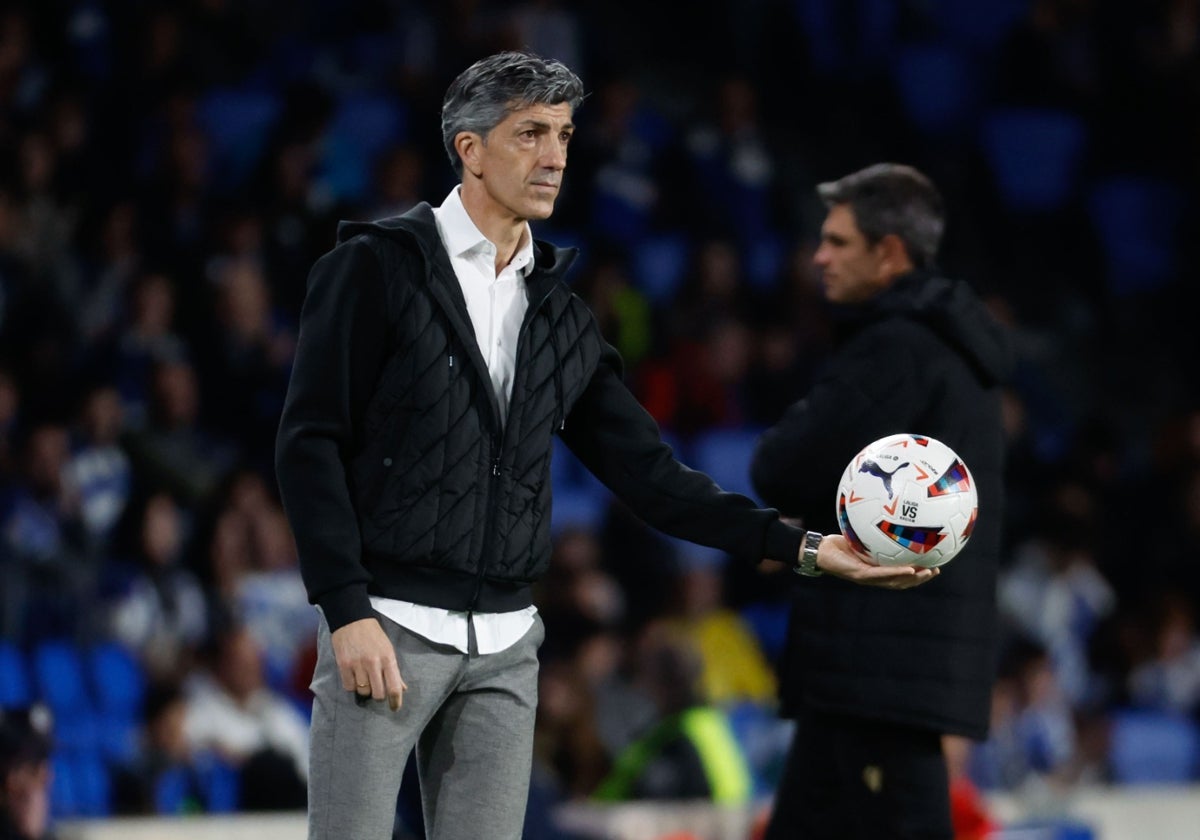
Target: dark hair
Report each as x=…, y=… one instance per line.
x=160, y=696
x=25, y=736
x=890, y=198
x=491, y=88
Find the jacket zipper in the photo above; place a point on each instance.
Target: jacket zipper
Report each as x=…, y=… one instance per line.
x=494, y=475
x=490, y=528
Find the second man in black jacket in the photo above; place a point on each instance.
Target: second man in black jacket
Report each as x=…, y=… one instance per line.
x=875, y=681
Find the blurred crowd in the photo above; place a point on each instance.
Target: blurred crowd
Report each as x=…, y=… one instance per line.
x=171, y=170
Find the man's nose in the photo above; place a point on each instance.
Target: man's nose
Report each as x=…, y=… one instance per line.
x=555, y=156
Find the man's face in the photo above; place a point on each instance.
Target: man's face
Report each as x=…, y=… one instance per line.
x=522, y=162
x=852, y=269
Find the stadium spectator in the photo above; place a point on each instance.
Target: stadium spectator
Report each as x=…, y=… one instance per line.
x=164, y=776
x=732, y=665
x=1054, y=594
x=145, y=336
x=26, y=740
x=1168, y=680
x=689, y=751
x=234, y=713
x=1032, y=746
x=175, y=451
x=10, y=407
x=158, y=608
x=50, y=579
x=98, y=471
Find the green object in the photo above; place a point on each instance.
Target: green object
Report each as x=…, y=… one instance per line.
x=708, y=732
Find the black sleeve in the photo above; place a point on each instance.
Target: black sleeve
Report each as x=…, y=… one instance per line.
x=341, y=345
x=618, y=440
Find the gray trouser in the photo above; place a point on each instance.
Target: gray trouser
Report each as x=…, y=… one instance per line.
x=470, y=718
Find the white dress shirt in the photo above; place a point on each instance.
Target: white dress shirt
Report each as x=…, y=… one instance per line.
x=496, y=304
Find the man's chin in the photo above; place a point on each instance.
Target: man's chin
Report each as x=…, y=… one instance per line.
x=541, y=210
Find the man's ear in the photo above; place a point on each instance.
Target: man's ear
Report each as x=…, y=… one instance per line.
x=893, y=257
x=468, y=144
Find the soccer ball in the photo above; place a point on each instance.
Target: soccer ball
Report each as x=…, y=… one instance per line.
x=907, y=500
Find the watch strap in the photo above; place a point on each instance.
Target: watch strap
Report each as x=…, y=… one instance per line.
x=807, y=563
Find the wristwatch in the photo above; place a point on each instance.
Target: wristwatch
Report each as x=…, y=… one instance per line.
x=807, y=564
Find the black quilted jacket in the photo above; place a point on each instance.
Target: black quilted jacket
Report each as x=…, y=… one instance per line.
x=396, y=474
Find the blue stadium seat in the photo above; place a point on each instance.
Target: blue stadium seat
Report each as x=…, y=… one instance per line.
x=1153, y=748
x=117, y=680
x=659, y=263
x=371, y=122
x=937, y=85
x=81, y=785
x=222, y=785
x=362, y=127
x=567, y=471
x=763, y=258
x=90, y=784
x=1137, y=222
x=79, y=732
x=15, y=684
x=577, y=507
x=847, y=36
x=375, y=54
x=287, y=60
x=63, y=800
x=765, y=738
x=1047, y=828
x=564, y=466
x=1034, y=156
x=59, y=672
x=769, y=621
x=237, y=123
x=725, y=454
x=119, y=686
x=818, y=21
x=172, y=792
x=579, y=497
x=979, y=24
x=60, y=675
x=878, y=28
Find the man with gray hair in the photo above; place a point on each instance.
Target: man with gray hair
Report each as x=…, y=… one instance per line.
x=874, y=682
x=439, y=353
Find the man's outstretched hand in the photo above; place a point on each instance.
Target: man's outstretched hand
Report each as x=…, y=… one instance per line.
x=835, y=557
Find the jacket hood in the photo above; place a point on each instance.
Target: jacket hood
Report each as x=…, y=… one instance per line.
x=952, y=310
x=419, y=225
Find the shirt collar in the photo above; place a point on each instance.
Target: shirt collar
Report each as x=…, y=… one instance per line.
x=462, y=237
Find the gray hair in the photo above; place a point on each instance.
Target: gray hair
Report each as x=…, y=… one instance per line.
x=493, y=87
x=890, y=198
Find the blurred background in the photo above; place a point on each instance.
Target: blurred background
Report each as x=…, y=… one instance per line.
x=170, y=170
